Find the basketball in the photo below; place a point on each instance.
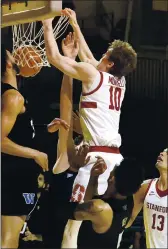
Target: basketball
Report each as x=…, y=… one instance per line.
x=29, y=60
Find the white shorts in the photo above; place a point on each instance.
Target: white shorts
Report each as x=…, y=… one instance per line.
x=83, y=176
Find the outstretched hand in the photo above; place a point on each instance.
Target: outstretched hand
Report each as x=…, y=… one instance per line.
x=99, y=167
x=71, y=14
x=56, y=124
x=80, y=157
x=70, y=46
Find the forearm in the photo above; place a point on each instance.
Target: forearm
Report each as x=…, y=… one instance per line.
x=51, y=46
x=84, y=50
x=130, y=222
x=91, y=188
x=11, y=148
x=62, y=162
x=65, y=111
x=79, y=211
x=84, y=211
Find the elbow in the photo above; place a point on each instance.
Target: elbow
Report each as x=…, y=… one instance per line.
x=51, y=59
x=54, y=59
x=3, y=144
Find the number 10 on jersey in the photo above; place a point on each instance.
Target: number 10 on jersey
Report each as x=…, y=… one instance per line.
x=115, y=98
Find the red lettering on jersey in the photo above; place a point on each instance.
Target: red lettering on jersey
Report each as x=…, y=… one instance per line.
x=115, y=81
x=157, y=208
x=160, y=219
x=115, y=98
x=111, y=80
x=78, y=193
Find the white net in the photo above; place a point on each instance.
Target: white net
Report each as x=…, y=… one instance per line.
x=28, y=44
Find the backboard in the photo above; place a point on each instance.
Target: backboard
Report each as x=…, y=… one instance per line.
x=20, y=12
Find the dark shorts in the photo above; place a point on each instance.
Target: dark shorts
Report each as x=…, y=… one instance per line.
x=19, y=187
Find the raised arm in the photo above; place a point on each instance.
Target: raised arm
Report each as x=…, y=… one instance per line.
x=12, y=105
x=85, y=53
x=65, y=142
x=139, y=198
x=81, y=71
x=62, y=162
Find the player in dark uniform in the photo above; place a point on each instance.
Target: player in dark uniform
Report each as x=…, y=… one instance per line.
x=20, y=163
x=105, y=217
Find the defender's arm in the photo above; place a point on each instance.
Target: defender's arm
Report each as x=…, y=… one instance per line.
x=12, y=104
x=139, y=198
x=65, y=141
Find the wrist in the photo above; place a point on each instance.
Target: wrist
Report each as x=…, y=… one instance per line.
x=75, y=25
x=33, y=154
x=47, y=26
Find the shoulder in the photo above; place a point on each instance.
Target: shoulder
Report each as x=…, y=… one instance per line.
x=141, y=193
x=84, y=66
x=12, y=98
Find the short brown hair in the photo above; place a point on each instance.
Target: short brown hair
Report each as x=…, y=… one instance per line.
x=124, y=57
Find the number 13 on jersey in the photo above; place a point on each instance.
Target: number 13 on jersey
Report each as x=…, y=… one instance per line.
x=115, y=98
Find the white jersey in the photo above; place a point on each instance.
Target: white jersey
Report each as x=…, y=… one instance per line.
x=155, y=216
x=100, y=110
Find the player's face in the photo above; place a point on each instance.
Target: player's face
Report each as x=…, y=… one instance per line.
x=41, y=182
x=162, y=160
x=12, y=63
x=104, y=63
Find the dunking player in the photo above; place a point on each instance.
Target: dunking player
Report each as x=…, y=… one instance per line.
x=109, y=214
x=19, y=161
x=103, y=89
x=103, y=93
x=153, y=197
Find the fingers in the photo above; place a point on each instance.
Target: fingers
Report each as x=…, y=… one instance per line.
x=27, y=233
x=75, y=115
x=87, y=160
x=70, y=38
x=100, y=164
x=56, y=123
x=83, y=150
x=99, y=167
x=67, y=12
x=65, y=125
x=76, y=43
x=63, y=43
